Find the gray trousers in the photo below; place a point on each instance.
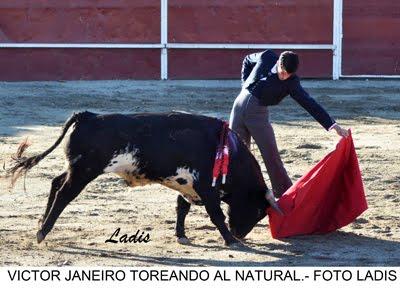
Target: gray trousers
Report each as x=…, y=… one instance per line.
x=250, y=119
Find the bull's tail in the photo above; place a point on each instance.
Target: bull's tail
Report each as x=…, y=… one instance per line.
x=24, y=164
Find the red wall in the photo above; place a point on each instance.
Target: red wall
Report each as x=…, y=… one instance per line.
x=238, y=21
x=252, y=21
x=226, y=64
x=79, y=64
x=83, y=21
x=80, y=21
x=371, y=42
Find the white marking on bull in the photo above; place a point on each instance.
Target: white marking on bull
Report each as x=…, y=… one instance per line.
x=182, y=182
x=125, y=162
x=126, y=165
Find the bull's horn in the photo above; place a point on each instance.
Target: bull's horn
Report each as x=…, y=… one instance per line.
x=271, y=200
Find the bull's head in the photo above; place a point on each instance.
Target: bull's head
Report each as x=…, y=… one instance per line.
x=244, y=215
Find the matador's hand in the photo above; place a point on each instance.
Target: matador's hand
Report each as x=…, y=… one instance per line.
x=340, y=131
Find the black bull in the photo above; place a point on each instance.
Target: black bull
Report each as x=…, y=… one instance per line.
x=176, y=150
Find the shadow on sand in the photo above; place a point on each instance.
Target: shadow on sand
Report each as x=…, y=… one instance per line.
x=335, y=249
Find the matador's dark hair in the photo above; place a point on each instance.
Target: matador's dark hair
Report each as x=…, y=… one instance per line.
x=290, y=61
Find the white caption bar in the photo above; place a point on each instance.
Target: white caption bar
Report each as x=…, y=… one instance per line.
x=368, y=277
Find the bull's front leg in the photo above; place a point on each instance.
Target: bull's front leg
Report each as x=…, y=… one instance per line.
x=182, y=209
x=213, y=207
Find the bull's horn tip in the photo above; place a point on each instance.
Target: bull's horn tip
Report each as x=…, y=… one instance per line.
x=278, y=209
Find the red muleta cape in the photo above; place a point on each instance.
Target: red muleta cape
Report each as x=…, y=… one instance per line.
x=328, y=197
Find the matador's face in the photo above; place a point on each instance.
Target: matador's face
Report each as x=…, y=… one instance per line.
x=282, y=73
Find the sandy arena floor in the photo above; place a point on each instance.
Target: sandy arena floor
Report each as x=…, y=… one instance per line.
x=38, y=109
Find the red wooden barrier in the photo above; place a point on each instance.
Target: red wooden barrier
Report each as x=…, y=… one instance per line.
x=371, y=43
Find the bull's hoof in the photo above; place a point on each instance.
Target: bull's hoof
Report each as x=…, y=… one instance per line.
x=183, y=240
x=40, y=236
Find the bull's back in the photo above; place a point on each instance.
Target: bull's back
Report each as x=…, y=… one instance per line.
x=162, y=141
x=173, y=149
